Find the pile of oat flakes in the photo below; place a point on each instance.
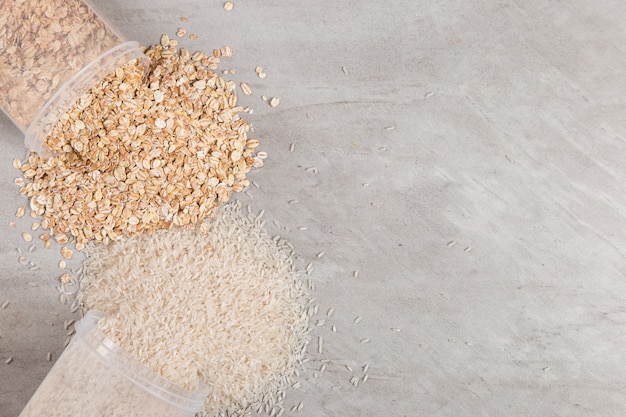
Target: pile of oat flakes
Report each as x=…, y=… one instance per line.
x=142, y=152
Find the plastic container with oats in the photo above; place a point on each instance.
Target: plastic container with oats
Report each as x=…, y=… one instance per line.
x=95, y=378
x=51, y=53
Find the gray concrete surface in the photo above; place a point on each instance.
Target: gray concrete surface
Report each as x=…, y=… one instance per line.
x=491, y=231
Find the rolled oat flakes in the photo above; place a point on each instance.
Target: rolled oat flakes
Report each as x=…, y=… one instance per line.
x=136, y=154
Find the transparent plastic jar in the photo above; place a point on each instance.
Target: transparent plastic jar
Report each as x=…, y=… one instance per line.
x=51, y=53
x=95, y=378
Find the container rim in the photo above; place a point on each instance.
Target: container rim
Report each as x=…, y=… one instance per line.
x=130, y=368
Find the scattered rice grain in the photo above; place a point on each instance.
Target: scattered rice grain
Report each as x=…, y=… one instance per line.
x=245, y=88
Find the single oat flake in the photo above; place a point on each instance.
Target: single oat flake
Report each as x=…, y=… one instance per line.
x=226, y=51
x=66, y=252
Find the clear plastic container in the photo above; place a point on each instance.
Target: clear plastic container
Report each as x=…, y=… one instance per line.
x=51, y=53
x=95, y=378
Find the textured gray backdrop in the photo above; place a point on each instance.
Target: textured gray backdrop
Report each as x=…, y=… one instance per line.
x=470, y=166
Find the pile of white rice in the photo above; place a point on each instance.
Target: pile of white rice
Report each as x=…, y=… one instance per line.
x=220, y=301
